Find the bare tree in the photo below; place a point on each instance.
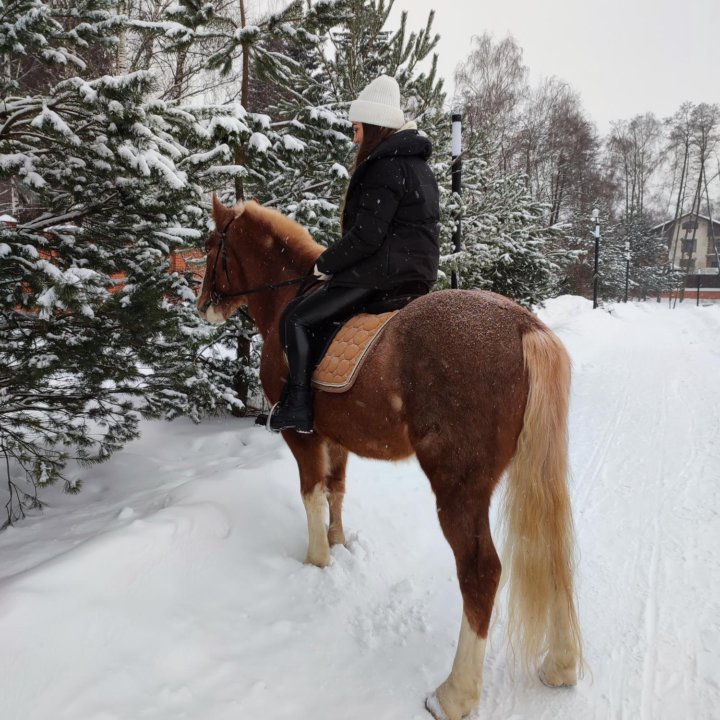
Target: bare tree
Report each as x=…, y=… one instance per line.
x=634, y=156
x=489, y=86
x=556, y=146
x=694, y=135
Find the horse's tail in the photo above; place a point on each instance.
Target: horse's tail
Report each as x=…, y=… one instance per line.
x=538, y=552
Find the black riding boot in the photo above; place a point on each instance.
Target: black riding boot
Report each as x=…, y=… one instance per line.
x=294, y=411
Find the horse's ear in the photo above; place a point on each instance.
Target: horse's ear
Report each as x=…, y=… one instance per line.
x=223, y=215
x=219, y=212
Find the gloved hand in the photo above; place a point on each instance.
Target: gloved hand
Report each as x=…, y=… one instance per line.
x=320, y=275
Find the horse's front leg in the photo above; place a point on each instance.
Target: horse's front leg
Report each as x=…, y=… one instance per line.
x=311, y=455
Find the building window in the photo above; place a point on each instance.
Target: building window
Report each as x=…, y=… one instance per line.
x=689, y=245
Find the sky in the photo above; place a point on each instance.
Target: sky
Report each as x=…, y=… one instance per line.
x=623, y=57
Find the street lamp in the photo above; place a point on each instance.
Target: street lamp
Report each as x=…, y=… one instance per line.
x=596, y=219
x=627, y=268
x=456, y=150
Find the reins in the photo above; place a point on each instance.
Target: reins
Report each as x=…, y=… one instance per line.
x=216, y=295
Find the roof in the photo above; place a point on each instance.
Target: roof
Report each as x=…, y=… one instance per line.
x=667, y=223
x=7, y=219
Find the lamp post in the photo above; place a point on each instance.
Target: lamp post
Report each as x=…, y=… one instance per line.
x=456, y=149
x=596, y=218
x=627, y=268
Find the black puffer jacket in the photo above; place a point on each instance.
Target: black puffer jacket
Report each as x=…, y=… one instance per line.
x=390, y=221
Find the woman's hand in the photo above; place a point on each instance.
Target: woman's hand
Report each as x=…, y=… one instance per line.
x=320, y=275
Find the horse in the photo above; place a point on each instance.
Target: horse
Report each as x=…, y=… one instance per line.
x=487, y=396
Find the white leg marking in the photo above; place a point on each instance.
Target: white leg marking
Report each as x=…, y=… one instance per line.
x=460, y=693
x=318, y=547
x=213, y=316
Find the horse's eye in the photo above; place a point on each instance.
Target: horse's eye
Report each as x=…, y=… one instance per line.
x=209, y=242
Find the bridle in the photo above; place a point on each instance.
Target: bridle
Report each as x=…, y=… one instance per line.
x=216, y=295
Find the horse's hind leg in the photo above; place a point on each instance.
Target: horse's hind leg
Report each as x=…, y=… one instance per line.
x=463, y=512
x=337, y=456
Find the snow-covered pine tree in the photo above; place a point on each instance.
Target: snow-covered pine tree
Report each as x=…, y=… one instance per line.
x=649, y=272
x=343, y=46
x=308, y=62
x=95, y=331
x=507, y=246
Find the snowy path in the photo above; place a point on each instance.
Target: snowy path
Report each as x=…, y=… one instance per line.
x=172, y=587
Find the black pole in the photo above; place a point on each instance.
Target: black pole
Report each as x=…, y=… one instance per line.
x=697, y=304
x=456, y=186
x=597, y=258
x=627, y=267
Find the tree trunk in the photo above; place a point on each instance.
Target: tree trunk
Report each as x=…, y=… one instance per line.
x=240, y=153
x=714, y=242
x=121, y=61
x=240, y=381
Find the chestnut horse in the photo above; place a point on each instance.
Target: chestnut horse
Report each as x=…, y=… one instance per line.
x=470, y=383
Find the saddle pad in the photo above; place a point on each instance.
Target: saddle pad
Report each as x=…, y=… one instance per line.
x=339, y=367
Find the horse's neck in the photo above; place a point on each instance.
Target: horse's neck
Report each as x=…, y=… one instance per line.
x=276, y=265
x=267, y=307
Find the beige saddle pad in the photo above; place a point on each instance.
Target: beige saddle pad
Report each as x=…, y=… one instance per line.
x=339, y=367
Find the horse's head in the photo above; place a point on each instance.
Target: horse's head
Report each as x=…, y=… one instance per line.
x=224, y=273
x=251, y=249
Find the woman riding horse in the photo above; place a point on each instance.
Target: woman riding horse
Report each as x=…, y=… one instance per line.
x=389, y=246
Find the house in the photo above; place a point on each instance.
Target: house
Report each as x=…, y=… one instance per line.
x=693, y=243
x=7, y=221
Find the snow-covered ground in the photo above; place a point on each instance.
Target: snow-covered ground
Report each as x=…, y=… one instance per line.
x=172, y=587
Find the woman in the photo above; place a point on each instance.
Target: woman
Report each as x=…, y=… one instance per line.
x=389, y=245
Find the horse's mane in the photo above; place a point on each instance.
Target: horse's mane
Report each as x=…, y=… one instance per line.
x=305, y=251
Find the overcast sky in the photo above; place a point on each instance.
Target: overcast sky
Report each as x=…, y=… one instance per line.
x=624, y=57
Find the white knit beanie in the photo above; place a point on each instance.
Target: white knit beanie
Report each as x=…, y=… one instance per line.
x=379, y=104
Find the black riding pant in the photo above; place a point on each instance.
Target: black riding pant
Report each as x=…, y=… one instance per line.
x=327, y=305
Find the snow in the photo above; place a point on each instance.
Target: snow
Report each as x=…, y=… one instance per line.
x=173, y=585
x=339, y=171
x=51, y=118
x=259, y=142
x=293, y=144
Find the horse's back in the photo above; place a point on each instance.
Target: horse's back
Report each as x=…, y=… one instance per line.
x=466, y=318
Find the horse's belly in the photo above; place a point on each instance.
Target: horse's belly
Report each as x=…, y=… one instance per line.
x=366, y=421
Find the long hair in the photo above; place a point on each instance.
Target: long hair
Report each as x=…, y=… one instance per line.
x=373, y=135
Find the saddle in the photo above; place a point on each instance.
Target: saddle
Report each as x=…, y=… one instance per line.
x=339, y=366
x=340, y=348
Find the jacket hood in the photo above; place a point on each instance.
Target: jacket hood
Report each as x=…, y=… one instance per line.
x=404, y=143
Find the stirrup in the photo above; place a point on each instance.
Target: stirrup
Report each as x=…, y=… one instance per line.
x=264, y=419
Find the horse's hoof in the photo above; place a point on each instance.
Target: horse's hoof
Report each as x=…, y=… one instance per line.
x=320, y=561
x=433, y=706
x=556, y=677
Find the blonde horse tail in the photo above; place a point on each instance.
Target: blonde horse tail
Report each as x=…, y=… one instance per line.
x=538, y=552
